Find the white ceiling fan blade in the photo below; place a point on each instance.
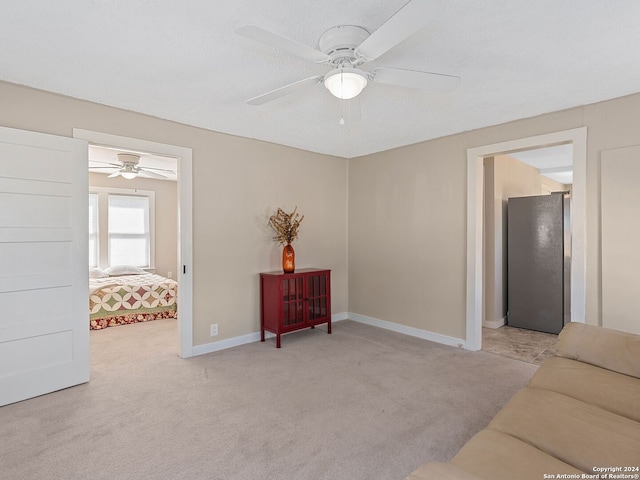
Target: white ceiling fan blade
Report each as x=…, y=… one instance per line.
x=261, y=35
x=105, y=163
x=286, y=90
x=434, y=82
x=406, y=21
x=114, y=174
x=159, y=169
x=146, y=173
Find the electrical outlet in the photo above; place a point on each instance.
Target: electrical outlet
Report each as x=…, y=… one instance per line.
x=169, y=274
x=214, y=329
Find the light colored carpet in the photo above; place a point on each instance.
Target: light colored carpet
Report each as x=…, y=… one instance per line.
x=362, y=403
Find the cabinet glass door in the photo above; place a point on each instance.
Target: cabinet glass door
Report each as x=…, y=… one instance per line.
x=317, y=295
x=292, y=301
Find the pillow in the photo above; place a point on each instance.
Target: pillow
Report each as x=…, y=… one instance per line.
x=97, y=273
x=124, y=270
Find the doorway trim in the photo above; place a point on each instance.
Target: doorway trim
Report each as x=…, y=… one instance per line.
x=185, y=220
x=475, y=221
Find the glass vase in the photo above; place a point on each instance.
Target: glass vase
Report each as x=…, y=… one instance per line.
x=288, y=259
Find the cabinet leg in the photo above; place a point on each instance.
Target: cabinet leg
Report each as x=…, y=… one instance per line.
x=329, y=327
x=278, y=340
x=313, y=326
x=262, y=335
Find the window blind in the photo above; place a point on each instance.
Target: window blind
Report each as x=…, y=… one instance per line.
x=129, y=237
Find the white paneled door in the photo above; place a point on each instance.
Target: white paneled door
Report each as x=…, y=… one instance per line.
x=44, y=312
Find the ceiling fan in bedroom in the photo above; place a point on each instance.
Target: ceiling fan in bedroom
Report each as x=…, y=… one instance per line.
x=129, y=168
x=345, y=48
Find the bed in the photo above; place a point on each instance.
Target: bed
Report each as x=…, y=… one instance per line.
x=117, y=298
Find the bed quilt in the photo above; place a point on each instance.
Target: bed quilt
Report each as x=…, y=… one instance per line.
x=131, y=299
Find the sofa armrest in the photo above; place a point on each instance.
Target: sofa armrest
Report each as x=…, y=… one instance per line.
x=441, y=471
x=602, y=347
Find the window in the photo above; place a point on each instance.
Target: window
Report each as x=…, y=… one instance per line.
x=129, y=238
x=93, y=230
x=121, y=227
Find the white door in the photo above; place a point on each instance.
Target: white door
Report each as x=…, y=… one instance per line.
x=44, y=312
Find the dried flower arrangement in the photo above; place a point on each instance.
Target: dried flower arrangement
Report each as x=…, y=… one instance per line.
x=285, y=225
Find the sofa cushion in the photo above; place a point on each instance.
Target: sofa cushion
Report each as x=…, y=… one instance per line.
x=441, y=471
x=494, y=455
x=575, y=432
x=603, y=347
x=612, y=391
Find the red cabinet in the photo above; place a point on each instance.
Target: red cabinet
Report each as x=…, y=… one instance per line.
x=291, y=301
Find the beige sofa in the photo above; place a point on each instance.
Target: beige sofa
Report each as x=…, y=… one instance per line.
x=579, y=415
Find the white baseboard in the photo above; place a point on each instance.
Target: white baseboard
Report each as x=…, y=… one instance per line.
x=414, y=332
x=395, y=327
x=224, y=344
x=244, y=339
x=336, y=317
x=495, y=323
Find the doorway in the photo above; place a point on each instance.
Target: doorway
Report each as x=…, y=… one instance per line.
x=475, y=222
x=185, y=207
x=529, y=173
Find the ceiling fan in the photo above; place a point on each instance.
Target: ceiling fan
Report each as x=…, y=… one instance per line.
x=129, y=169
x=345, y=48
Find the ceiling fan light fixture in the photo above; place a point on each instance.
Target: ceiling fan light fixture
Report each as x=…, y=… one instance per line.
x=129, y=165
x=345, y=83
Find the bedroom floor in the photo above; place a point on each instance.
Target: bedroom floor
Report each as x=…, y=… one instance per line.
x=519, y=344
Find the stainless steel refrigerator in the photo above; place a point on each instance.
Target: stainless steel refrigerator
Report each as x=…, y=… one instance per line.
x=539, y=262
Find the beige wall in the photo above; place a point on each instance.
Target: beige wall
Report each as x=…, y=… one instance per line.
x=406, y=210
x=237, y=184
x=407, y=236
x=505, y=177
x=553, y=186
x=166, y=218
x=407, y=217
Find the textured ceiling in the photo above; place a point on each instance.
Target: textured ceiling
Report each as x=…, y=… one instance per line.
x=553, y=162
x=182, y=61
